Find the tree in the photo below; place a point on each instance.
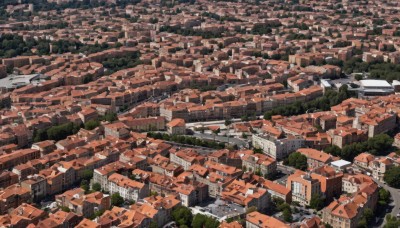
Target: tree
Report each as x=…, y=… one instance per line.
x=391, y=222
x=228, y=122
x=317, y=202
x=87, y=174
x=251, y=209
x=117, y=200
x=216, y=132
x=383, y=197
x=392, y=177
x=92, y=124
x=257, y=150
x=200, y=221
x=96, y=187
x=182, y=216
x=65, y=209
x=110, y=117
x=85, y=185
x=153, y=224
x=287, y=215
x=358, y=77
x=298, y=161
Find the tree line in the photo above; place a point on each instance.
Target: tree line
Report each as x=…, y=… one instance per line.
x=12, y=45
x=378, y=145
x=186, y=140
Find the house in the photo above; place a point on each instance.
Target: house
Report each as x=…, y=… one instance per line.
x=127, y=188
x=331, y=181
x=22, y=216
x=315, y=158
x=261, y=164
x=256, y=220
x=246, y=194
x=177, y=126
x=81, y=204
x=362, y=160
x=60, y=219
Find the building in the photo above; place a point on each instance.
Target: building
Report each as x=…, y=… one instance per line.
x=260, y=164
x=177, y=126
x=331, y=181
x=277, y=148
x=127, y=188
x=362, y=160
x=246, y=194
x=347, y=210
x=351, y=182
x=81, y=204
x=277, y=190
x=380, y=166
x=256, y=220
x=370, y=88
x=303, y=187
x=315, y=158
x=186, y=158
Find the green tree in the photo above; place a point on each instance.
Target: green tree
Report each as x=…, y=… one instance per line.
x=92, y=124
x=200, y=221
x=317, y=202
x=153, y=224
x=182, y=216
x=96, y=187
x=65, y=209
x=257, y=150
x=392, y=177
x=87, y=174
x=85, y=185
x=287, y=215
x=60, y=132
x=383, y=197
x=297, y=160
x=117, y=200
x=392, y=222
x=110, y=117
x=251, y=209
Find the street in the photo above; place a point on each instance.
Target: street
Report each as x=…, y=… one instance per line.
x=241, y=143
x=395, y=196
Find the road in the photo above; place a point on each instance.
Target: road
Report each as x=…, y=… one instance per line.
x=239, y=142
x=395, y=196
x=208, y=123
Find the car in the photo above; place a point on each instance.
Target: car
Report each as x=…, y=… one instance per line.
x=398, y=215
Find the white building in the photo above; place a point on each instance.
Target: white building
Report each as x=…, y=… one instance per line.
x=277, y=148
x=370, y=87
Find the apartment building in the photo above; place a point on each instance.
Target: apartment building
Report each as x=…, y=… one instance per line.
x=303, y=187
x=315, y=158
x=127, y=188
x=277, y=148
x=259, y=163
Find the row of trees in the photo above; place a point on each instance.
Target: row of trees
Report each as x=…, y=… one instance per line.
x=56, y=132
x=392, y=177
x=186, y=140
x=324, y=103
x=12, y=45
x=115, y=64
x=377, y=70
x=191, y=32
x=296, y=160
x=379, y=145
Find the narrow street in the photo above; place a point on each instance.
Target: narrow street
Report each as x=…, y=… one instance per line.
x=395, y=196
